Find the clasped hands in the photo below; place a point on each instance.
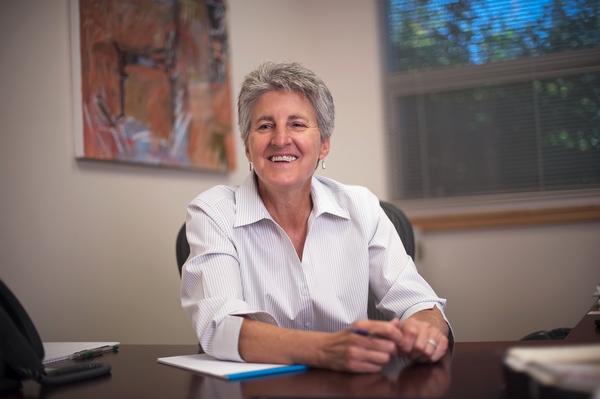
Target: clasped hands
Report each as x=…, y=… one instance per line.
x=416, y=339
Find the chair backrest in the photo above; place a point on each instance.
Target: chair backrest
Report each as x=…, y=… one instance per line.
x=405, y=231
x=182, y=248
x=398, y=218
x=402, y=225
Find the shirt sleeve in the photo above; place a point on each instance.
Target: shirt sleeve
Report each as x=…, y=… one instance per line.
x=211, y=289
x=395, y=281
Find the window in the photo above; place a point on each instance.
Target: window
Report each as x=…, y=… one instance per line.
x=492, y=96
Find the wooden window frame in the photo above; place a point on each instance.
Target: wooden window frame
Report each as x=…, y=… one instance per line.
x=506, y=218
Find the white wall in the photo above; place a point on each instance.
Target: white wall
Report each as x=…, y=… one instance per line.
x=503, y=284
x=88, y=247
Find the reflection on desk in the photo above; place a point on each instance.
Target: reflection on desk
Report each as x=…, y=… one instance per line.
x=414, y=381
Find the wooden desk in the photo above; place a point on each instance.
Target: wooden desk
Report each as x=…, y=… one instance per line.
x=472, y=370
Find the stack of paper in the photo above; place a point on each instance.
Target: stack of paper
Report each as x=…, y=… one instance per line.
x=571, y=367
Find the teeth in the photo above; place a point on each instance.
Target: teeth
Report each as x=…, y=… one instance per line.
x=284, y=158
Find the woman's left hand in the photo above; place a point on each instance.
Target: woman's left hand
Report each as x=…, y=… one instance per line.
x=424, y=336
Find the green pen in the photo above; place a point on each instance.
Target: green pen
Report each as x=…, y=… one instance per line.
x=90, y=353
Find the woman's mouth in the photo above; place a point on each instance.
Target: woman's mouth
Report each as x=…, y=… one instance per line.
x=282, y=158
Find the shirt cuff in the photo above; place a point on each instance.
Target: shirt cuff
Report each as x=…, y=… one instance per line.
x=426, y=306
x=225, y=341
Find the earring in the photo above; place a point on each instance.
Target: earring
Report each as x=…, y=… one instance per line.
x=323, y=163
x=250, y=163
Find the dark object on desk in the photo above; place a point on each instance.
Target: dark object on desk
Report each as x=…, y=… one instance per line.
x=21, y=351
x=597, y=322
x=398, y=218
x=557, y=333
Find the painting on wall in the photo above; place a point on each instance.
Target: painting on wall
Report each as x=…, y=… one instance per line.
x=154, y=82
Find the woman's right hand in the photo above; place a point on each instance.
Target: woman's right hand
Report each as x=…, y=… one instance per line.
x=344, y=350
x=348, y=350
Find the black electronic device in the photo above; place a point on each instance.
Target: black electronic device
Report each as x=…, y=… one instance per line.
x=22, y=352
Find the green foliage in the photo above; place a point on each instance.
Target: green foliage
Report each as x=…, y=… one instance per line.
x=427, y=34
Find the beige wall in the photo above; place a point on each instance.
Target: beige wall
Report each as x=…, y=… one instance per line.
x=88, y=247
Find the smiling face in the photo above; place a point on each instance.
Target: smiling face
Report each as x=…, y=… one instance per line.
x=285, y=143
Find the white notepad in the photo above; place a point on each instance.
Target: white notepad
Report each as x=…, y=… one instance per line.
x=209, y=365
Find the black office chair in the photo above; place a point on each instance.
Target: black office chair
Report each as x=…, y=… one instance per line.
x=182, y=248
x=402, y=225
x=398, y=218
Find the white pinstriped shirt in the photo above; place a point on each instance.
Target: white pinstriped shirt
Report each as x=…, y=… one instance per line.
x=242, y=263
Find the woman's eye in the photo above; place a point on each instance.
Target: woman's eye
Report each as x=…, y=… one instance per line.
x=264, y=127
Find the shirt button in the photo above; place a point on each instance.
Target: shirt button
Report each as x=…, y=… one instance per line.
x=304, y=292
x=307, y=325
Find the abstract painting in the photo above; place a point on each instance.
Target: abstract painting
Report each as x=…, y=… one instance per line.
x=154, y=82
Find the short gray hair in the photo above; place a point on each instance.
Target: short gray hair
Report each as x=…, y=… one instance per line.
x=289, y=76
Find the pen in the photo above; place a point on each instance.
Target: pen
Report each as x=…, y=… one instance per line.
x=89, y=353
x=363, y=332
x=359, y=331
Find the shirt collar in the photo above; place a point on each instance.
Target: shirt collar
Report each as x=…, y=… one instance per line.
x=251, y=209
x=323, y=199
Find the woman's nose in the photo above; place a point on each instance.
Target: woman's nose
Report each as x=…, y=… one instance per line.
x=281, y=137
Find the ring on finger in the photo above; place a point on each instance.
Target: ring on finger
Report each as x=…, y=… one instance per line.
x=432, y=342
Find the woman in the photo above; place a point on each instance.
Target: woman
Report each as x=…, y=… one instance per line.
x=280, y=266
